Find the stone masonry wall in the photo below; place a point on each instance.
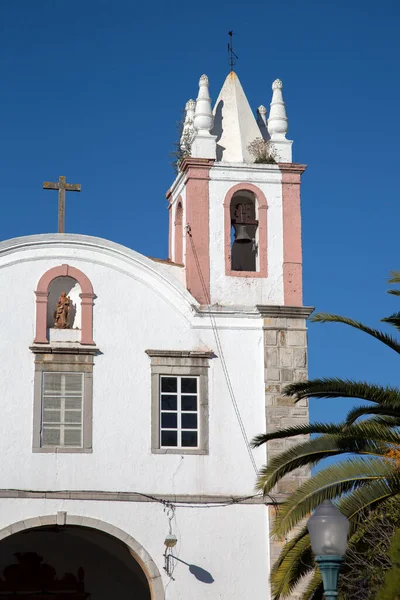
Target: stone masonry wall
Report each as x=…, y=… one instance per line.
x=285, y=361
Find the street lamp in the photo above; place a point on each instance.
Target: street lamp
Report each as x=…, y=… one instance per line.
x=170, y=542
x=328, y=529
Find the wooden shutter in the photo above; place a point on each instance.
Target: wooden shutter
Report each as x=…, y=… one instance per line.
x=62, y=408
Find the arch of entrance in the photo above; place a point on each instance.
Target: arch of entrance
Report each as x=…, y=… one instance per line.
x=81, y=527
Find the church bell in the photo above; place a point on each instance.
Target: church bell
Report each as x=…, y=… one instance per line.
x=241, y=234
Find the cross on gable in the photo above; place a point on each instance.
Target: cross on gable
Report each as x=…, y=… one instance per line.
x=62, y=186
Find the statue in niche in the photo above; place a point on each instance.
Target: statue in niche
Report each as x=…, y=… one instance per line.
x=61, y=313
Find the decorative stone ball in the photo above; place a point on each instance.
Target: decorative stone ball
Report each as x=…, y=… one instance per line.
x=190, y=105
x=277, y=85
x=203, y=80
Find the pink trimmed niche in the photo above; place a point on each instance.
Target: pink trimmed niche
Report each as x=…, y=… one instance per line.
x=178, y=233
x=262, y=206
x=170, y=231
x=86, y=296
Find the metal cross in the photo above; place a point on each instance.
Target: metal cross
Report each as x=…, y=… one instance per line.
x=232, y=56
x=62, y=186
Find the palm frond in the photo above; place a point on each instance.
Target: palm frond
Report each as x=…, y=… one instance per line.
x=295, y=561
x=386, y=421
x=289, y=545
x=315, y=588
x=303, y=429
x=332, y=482
x=393, y=320
x=368, y=429
x=370, y=497
x=334, y=387
x=394, y=277
x=385, y=411
x=310, y=452
x=386, y=339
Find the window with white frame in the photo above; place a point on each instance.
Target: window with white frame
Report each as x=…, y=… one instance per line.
x=179, y=392
x=62, y=409
x=179, y=406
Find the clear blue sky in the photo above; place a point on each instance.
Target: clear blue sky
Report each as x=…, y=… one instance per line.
x=92, y=89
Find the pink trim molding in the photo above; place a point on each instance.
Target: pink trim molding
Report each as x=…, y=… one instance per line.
x=87, y=296
x=292, y=253
x=197, y=171
x=262, y=207
x=168, y=196
x=178, y=232
x=170, y=232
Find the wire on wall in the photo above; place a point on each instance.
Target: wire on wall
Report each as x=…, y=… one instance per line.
x=221, y=355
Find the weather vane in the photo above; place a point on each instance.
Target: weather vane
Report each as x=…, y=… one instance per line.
x=232, y=56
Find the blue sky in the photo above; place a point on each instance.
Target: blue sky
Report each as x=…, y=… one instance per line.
x=92, y=90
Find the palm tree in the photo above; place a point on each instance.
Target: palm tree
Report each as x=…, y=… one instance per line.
x=367, y=481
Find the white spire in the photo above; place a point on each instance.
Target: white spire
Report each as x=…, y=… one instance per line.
x=188, y=127
x=234, y=123
x=278, y=124
x=203, y=118
x=203, y=145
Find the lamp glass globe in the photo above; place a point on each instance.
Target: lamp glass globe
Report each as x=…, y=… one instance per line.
x=328, y=529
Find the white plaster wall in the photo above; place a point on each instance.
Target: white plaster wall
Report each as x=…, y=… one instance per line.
x=137, y=307
x=228, y=290
x=171, y=271
x=230, y=543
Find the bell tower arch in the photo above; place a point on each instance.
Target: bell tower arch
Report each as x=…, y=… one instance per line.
x=245, y=231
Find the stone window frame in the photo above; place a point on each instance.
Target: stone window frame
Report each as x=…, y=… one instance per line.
x=66, y=360
x=180, y=363
x=262, y=212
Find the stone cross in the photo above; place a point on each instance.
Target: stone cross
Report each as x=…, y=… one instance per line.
x=62, y=186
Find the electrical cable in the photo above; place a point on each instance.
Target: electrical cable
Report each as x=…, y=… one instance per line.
x=220, y=351
x=166, y=503
x=222, y=357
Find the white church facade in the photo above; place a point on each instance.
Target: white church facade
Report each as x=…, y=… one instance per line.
x=131, y=386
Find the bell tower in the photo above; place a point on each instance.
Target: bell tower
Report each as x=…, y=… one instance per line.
x=235, y=226
x=235, y=205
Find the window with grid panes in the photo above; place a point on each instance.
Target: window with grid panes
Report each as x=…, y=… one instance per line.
x=62, y=408
x=179, y=407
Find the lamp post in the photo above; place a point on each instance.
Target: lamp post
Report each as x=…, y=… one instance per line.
x=328, y=529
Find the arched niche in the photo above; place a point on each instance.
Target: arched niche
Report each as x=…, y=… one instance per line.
x=178, y=233
x=244, y=232
x=77, y=285
x=245, y=205
x=72, y=288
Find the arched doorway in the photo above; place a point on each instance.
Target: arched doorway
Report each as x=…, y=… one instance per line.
x=70, y=562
